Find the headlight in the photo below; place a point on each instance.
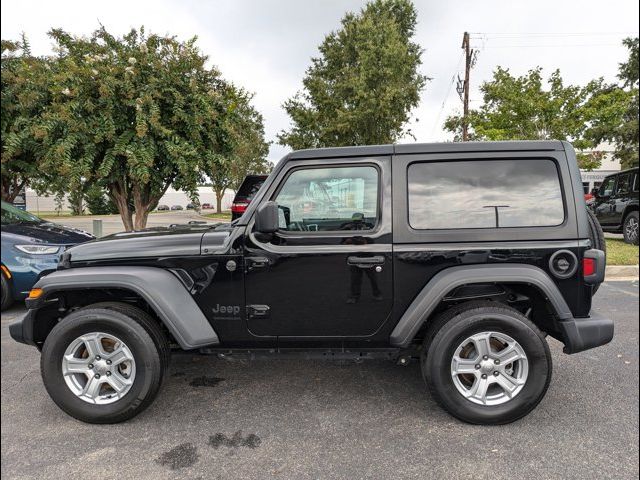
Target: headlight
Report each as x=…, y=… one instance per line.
x=38, y=249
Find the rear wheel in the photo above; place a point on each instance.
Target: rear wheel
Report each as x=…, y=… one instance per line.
x=487, y=363
x=630, y=228
x=596, y=235
x=7, y=297
x=100, y=365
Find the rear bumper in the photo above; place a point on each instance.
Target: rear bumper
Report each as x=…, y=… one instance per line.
x=581, y=334
x=22, y=330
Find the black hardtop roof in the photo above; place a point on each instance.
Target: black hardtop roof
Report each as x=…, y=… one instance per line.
x=632, y=169
x=414, y=148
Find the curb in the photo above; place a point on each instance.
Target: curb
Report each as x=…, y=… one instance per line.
x=621, y=272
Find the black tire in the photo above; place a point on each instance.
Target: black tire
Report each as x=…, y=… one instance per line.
x=7, y=297
x=144, y=319
x=451, y=328
x=147, y=356
x=596, y=235
x=630, y=233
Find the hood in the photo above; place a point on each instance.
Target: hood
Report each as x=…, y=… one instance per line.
x=45, y=232
x=176, y=240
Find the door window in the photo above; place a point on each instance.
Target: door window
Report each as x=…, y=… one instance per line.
x=329, y=199
x=606, y=189
x=624, y=184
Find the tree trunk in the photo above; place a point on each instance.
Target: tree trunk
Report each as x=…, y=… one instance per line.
x=143, y=201
x=11, y=187
x=118, y=195
x=141, y=218
x=141, y=204
x=219, y=195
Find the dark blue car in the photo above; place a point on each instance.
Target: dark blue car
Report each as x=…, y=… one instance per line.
x=30, y=249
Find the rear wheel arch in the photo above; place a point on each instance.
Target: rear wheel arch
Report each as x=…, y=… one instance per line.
x=526, y=279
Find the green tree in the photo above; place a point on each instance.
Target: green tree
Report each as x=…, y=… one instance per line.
x=131, y=114
x=617, y=107
x=364, y=84
x=247, y=148
x=98, y=202
x=523, y=108
x=24, y=96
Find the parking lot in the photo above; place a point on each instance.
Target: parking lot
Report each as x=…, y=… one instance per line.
x=309, y=419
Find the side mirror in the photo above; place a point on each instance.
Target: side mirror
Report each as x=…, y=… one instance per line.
x=267, y=218
x=594, y=192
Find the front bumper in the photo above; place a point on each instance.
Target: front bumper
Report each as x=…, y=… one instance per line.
x=581, y=334
x=22, y=330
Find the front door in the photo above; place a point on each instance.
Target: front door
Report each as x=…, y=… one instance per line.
x=621, y=197
x=328, y=271
x=605, y=203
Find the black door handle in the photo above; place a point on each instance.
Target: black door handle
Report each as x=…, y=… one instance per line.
x=365, y=262
x=256, y=262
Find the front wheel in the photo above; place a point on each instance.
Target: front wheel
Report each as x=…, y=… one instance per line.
x=100, y=365
x=7, y=298
x=486, y=363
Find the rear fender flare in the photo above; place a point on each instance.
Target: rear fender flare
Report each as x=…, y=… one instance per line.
x=443, y=282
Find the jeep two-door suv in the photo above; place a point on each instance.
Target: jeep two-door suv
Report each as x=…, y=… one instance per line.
x=616, y=204
x=462, y=255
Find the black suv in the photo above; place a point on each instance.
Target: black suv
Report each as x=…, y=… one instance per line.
x=616, y=204
x=248, y=189
x=461, y=255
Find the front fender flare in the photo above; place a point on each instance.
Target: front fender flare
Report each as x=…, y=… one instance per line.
x=443, y=282
x=162, y=290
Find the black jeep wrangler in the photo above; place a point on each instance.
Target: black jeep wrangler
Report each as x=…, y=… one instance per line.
x=616, y=204
x=462, y=255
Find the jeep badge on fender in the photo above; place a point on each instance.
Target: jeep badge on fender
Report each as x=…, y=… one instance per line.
x=464, y=256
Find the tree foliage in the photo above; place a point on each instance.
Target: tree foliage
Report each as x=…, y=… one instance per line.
x=133, y=114
x=25, y=94
x=247, y=148
x=524, y=108
x=618, y=121
x=362, y=87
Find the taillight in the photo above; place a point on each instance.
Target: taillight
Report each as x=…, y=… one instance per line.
x=239, y=207
x=588, y=266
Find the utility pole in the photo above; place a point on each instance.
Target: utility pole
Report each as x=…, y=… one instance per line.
x=468, y=54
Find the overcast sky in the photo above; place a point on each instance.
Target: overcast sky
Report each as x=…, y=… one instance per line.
x=266, y=45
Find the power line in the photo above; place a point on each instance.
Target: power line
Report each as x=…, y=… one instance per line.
x=446, y=97
x=556, y=45
x=551, y=34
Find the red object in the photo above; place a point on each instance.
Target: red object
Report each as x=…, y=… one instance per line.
x=239, y=207
x=588, y=266
x=588, y=196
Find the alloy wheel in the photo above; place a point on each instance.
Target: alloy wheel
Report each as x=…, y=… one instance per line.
x=489, y=368
x=98, y=368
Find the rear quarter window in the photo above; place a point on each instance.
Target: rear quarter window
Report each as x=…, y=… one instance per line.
x=484, y=194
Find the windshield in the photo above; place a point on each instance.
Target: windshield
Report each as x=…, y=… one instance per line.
x=12, y=215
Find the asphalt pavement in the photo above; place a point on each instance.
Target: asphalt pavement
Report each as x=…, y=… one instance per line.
x=297, y=419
